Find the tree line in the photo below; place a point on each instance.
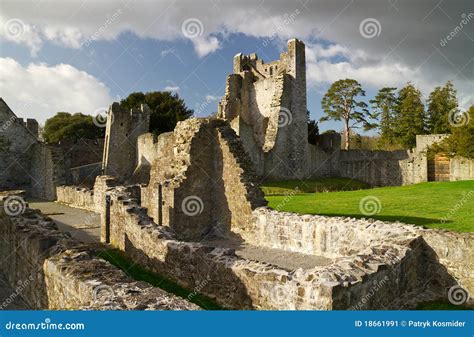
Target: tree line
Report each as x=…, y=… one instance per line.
x=399, y=115
x=167, y=110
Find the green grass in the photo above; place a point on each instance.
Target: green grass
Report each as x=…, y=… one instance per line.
x=425, y=204
x=138, y=273
x=311, y=186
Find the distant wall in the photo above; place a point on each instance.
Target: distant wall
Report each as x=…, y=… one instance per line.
x=44, y=175
x=85, y=175
x=15, y=155
x=77, y=197
x=377, y=168
x=461, y=169
x=123, y=128
x=149, y=149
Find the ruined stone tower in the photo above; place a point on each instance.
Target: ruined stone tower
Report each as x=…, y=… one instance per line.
x=265, y=104
x=122, y=131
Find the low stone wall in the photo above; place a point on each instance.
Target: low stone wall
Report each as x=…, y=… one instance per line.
x=393, y=265
x=84, y=198
x=452, y=252
x=321, y=235
x=49, y=270
x=461, y=169
x=76, y=197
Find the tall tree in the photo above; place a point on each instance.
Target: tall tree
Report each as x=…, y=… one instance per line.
x=167, y=109
x=441, y=103
x=66, y=126
x=383, y=106
x=410, y=116
x=461, y=140
x=341, y=102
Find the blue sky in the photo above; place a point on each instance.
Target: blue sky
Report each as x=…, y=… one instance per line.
x=82, y=55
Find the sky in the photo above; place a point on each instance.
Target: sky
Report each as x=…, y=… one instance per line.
x=80, y=56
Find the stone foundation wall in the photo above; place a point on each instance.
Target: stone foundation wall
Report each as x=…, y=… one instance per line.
x=452, y=252
x=321, y=235
x=56, y=272
x=393, y=264
x=77, y=197
x=89, y=199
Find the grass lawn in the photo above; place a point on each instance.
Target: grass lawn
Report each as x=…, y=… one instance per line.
x=425, y=204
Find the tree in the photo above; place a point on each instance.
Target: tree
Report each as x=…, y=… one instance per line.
x=461, y=140
x=341, y=103
x=384, y=108
x=66, y=126
x=409, y=116
x=313, y=130
x=441, y=102
x=167, y=109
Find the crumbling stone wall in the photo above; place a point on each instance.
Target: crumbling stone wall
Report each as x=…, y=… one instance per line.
x=451, y=252
x=150, y=148
x=57, y=272
x=392, y=259
x=122, y=131
x=321, y=235
x=77, y=197
x=16, y=141
x=206, y=185
x=266, y=105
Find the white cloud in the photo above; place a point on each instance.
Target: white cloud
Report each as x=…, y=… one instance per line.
x=204, y=46
x=171, y=88
x=409, y=32
x=39, y=91
x=211, y=98
x=327, y=64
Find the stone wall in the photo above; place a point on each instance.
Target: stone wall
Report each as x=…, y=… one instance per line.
x=461, y=169
x=149, y=148
x=16, y=141
x=321, y=235
x=266, y=106
x=79, y=197
x=386, y=269
x=453, y=252
x=56, y=272
x=377, y=168
x=205, y=185
x=122, y=131
x=85, y=175
x=85, y=198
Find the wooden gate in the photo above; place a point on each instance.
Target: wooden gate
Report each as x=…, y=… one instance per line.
x=438, y=168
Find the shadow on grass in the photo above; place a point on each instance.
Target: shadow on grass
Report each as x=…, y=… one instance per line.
x=414, y=220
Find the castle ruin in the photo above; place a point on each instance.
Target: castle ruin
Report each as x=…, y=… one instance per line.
x=186, y=204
